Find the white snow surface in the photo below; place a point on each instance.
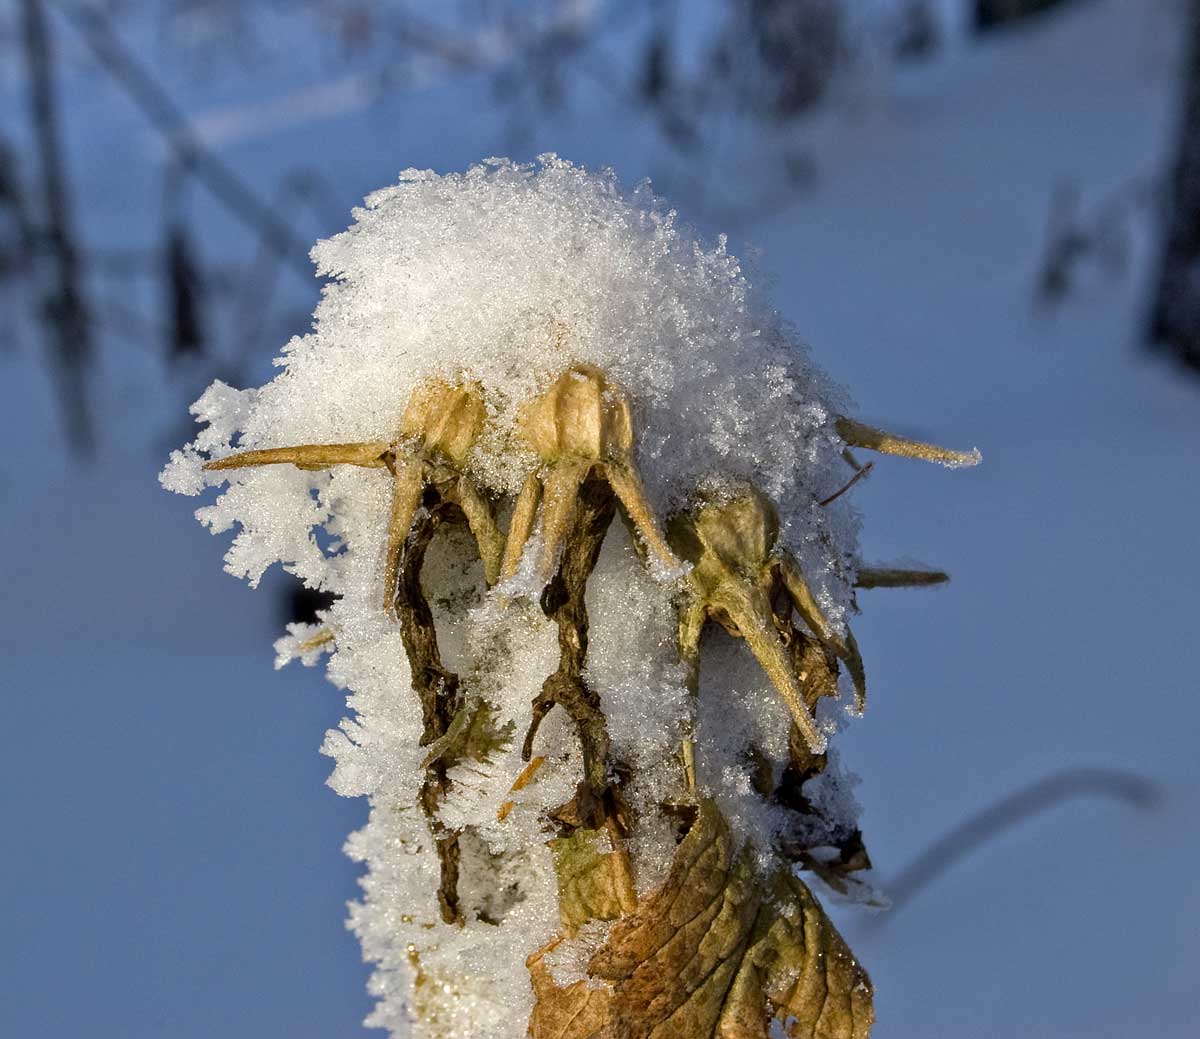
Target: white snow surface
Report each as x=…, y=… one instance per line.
x=504, y=275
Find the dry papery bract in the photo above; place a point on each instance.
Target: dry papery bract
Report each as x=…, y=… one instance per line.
x=599, y=747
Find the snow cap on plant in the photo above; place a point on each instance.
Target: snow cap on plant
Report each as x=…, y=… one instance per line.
x=558, y=771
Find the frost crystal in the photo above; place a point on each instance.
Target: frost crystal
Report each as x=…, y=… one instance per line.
x=522, y=349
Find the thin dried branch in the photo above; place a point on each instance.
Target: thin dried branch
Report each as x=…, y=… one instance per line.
x=563, y=602
x=898, y=577
x=66, y=310
x=860, y=472
x=438, y=690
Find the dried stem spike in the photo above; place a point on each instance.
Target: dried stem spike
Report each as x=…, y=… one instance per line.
x=856, y=434
x=897, y=577
x=371, y=453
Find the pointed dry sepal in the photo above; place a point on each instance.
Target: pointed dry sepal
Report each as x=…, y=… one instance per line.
x=844, y=648
x=898, y=577
x=409, y=478
x=580, y=425
x=754, y=619
x=737, y=579
x=371, y=454
x=856, y=434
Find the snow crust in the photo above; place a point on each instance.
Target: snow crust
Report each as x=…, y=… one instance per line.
x=505, y=275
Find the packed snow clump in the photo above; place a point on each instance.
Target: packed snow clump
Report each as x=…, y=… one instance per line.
x=504, y=277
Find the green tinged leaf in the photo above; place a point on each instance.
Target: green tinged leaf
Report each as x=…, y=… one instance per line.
x=589, y=881
x=473, y=734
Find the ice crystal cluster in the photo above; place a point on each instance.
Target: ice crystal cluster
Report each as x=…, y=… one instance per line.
x=500, y=359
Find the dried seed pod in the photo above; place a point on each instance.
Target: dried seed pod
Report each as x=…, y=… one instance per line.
x=438, y=428
x=744, y=581
x=581, y=424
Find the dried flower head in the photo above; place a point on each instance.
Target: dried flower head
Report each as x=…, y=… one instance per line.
x=580, y=425
x=509, y=359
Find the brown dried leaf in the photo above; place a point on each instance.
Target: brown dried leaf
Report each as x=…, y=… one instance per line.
x=716, y=953
x=579, y=1011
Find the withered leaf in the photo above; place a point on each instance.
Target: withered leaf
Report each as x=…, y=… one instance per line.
x=715, y=953
x=578, y=1011
x=592, y=883
x=473, y=733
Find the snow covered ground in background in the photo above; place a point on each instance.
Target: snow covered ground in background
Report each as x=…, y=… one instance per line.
x=171, y=862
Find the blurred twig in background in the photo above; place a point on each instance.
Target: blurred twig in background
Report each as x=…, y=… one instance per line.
x=701, y=76
x=1075, y=237
x=64, y=307
x=1018, y=807
x=1175, y=311
x=154, y=102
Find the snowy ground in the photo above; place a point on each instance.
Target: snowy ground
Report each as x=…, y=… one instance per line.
x=171, y=862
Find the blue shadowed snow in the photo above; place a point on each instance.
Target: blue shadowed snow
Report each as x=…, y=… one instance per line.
x=171, y=862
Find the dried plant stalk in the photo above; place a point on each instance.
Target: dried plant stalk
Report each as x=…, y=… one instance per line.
x=597, y=802
x=503, y=304
x=438, y=691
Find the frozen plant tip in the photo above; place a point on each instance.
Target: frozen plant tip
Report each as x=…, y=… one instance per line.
x=740, y=578
x=567, y=765
x=437, y=431
x=580, y=425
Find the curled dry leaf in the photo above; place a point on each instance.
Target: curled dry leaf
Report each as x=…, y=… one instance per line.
x=716, y=953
